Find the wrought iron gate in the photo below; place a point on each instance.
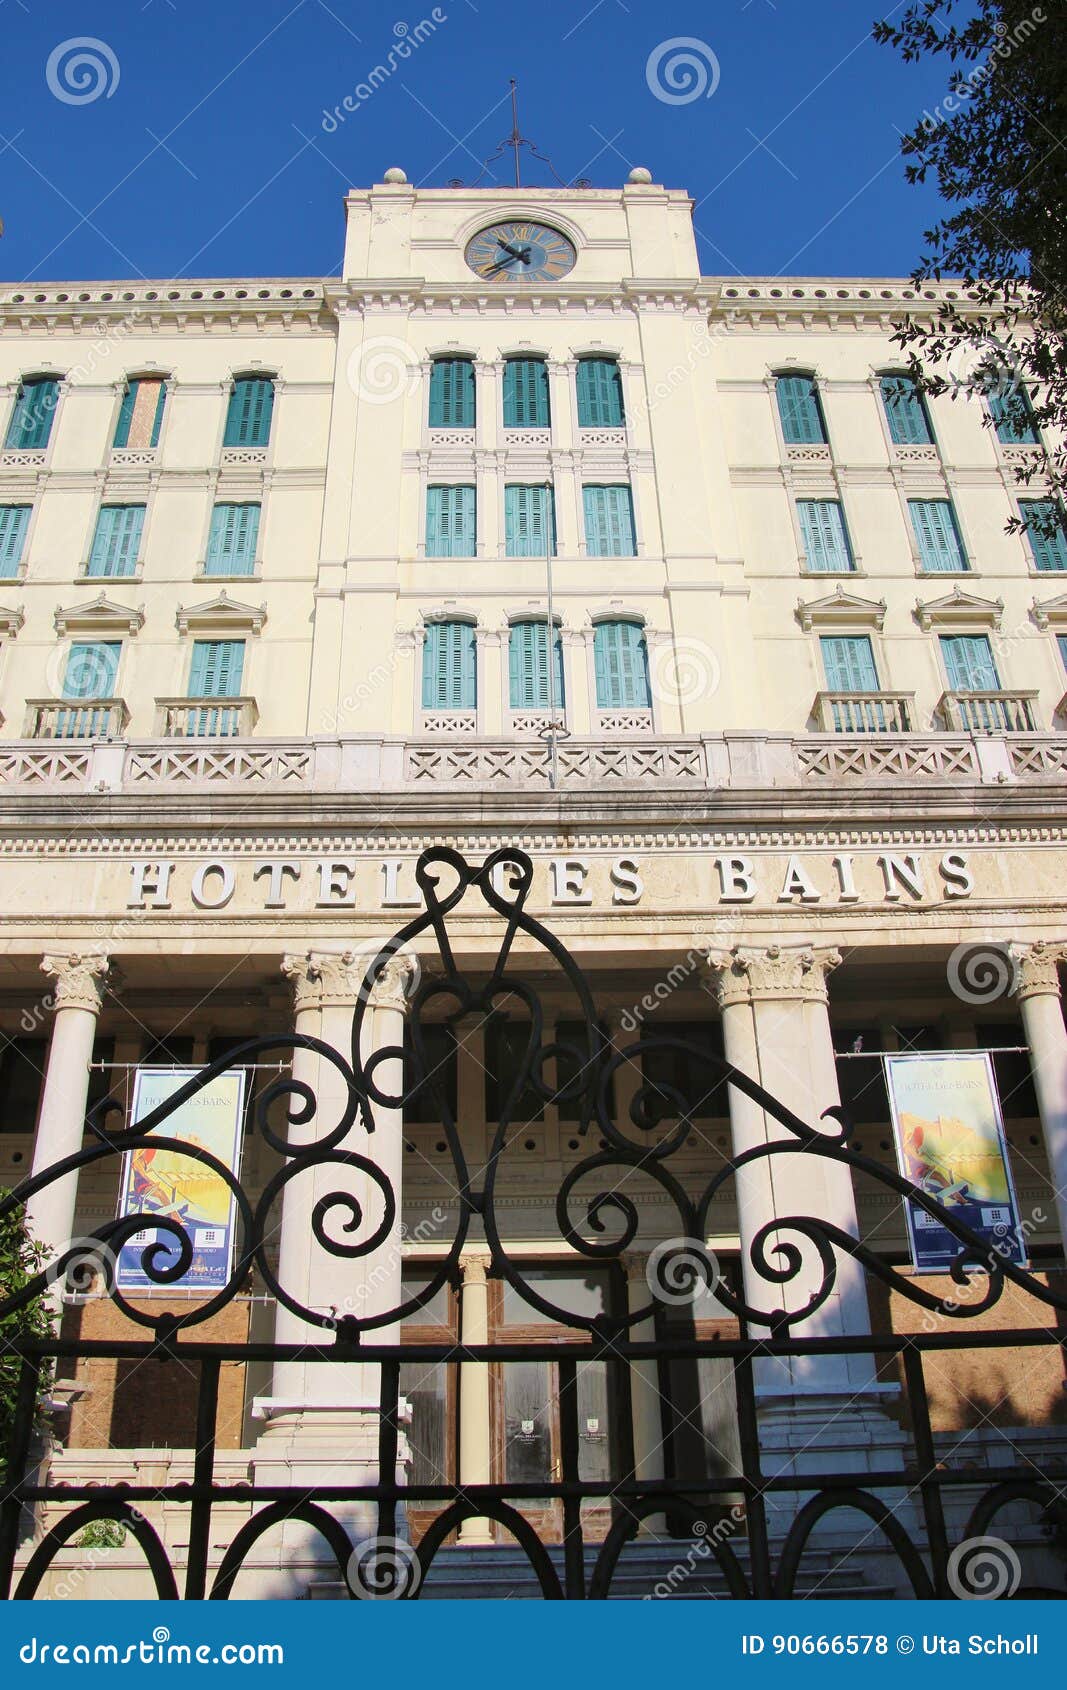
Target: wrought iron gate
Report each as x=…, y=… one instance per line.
x=754, y=1560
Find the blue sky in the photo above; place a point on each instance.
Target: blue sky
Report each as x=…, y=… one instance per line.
x=204, y=152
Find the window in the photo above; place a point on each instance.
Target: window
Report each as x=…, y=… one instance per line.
x=251, y=408
x=91, y=672
x=451, y=522
x=800, y=411
x=505, y=1058
x=449, y=667
x=117, y=540
x=14, y=521
x=434, y=1076
x=969, y=663
x=620, y=660
x=849, y=663
x=215, y=672
x=609, y=522
x=529, y=521
x=1012, y=418
x=1061, y=641
x=599, y=394
x=1015, y=1080
x=31, y=419
x=1049, y=550
x=525, y=393
x=861, y=1077
x=452, y=391
x=680, y=1081
x=231, y=547
x=826, y=542
x=574, y=1068
x=905, y=411
x=937, y=536
x=141, y=412
x=528, y=667
x=22, y=1065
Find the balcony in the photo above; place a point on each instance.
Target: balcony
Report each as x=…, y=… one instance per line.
x=206, y=718
x=95, y=718
x=864, y=712
x=988, y=712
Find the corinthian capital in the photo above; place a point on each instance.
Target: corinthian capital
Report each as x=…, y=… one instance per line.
x=392, y=988
x=79, y=979
x=777, y=973
x=1037, y=968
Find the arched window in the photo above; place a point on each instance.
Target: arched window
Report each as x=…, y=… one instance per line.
x=800, y=410
x=31, y=419
x=620, y=659
x=905, y=410
x=528, y=667
x=525, y=393
x=141, y=412
x=452, y=403
x=1013, y=417
x=251, y=408
x=449, y=667
x=600, y=394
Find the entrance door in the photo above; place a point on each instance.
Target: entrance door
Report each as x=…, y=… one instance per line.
x=527, y=1438
x=430, y=1388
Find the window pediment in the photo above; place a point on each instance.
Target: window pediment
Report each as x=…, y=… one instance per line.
x=221, y=613
x=10, y=621
x=841, y=610
x=101, y=615
x=1050, y=614
x=959, y=607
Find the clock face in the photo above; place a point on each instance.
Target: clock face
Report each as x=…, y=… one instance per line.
x=520, y=252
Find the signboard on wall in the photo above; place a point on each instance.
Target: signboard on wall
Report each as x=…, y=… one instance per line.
x=949, y=1135
x=158, y=1183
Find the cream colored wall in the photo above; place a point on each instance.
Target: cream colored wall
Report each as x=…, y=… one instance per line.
x=341, y=575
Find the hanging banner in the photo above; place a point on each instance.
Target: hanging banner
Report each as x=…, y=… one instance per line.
x=164, y=1183
x=950, y=1141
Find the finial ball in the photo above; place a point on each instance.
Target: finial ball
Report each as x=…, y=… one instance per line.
x=639, y=176
x=394, y=174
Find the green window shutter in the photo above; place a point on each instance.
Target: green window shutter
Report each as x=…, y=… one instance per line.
x=451, y=522
x=31, y=420
x=849, y=663
x=129, y=400
x=215, y=671
x=599, y=394
x=14, y=521
x=1012, y=418
x=800, y=411
x=937, y=536
x=452, y=393
x=905, y=411
x=620, y=663
x=525, y=393
x=449, y=667
x=826, y=543
x=92, y=667
x=528, y=667
x=249, y=416
x=232, y=542
x=117, y=540
x=1061, y=641
x=1049, y=550
x=969, y=663
x=527, y=513
x=609, y=522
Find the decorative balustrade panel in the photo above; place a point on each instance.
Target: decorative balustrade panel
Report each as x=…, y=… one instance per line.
x=207, y=763
x=887, y=759
x=25, y=767
x=577, y=761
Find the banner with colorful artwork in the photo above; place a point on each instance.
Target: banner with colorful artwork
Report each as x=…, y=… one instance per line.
x=165, y=1183
x=950, y=1141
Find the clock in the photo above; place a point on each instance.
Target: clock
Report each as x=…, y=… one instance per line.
x=520, y=252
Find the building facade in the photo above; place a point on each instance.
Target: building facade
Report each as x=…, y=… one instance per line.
x=278, y=564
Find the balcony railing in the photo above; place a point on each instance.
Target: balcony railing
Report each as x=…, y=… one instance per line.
x=864, y=712
x=988, y=712
x=206, y=718
x=90, y=718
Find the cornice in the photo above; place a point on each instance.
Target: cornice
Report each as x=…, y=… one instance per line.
x=255, y=305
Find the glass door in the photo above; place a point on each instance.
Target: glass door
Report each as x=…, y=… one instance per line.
x=430, y=1388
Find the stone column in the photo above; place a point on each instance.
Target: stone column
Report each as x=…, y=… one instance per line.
x=1037, y=988
x=77, y=998
x=475, y=1424
x=645, y=1402
x=294, y=1220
